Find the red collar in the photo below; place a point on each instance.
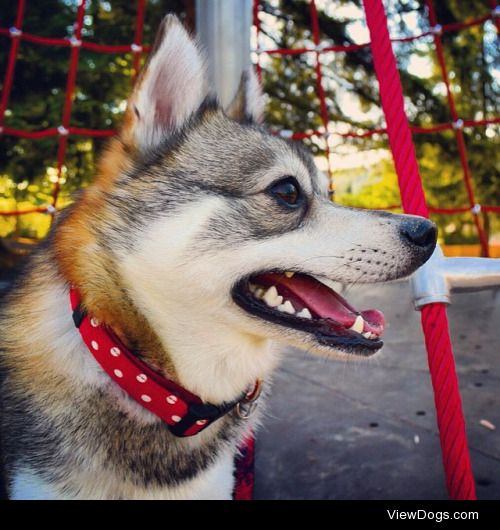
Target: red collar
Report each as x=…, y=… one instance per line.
x=184, y=413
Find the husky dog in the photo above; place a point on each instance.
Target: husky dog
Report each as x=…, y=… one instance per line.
x=203, y=242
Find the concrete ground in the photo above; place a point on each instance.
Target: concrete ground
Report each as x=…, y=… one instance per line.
x=367, y=430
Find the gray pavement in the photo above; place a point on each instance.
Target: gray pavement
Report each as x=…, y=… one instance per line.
x=367, y=430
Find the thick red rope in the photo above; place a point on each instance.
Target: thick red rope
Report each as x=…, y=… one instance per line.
x=451, y=423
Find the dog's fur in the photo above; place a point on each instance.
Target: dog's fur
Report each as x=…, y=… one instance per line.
x=178, y=214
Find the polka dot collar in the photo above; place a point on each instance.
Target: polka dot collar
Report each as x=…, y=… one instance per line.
x=184, y=413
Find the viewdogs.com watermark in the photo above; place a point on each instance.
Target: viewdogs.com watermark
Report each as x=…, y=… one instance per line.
x=419, y=515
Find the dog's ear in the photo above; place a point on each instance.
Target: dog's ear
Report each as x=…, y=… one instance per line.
x=248, y=104
x=171, y=86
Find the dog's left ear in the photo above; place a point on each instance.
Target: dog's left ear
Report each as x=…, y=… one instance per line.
x=248, y=104
x=171, y=87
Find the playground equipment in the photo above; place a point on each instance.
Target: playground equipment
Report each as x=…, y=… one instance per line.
x=224, y=28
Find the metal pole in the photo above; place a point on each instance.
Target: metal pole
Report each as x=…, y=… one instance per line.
x=223, y=28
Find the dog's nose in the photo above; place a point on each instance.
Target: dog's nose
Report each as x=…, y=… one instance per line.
x=419, y=231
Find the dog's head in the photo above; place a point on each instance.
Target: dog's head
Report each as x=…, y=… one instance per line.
x=217, y=229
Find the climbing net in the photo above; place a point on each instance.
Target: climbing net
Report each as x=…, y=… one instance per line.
x=450, y=417
x=75, y=43
x=456, y=124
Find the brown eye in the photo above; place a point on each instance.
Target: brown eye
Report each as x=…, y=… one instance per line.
x=288, y=192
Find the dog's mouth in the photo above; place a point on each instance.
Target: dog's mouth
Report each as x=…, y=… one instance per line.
x=304, y=303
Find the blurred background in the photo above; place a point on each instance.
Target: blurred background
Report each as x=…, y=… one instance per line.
x=361, y=167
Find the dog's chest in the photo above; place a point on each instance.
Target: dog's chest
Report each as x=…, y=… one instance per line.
x=214, y=483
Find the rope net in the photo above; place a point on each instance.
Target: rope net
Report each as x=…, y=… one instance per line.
x=75, y=43
x=450, y=416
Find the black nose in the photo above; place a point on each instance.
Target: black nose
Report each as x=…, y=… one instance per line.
x=420, y=232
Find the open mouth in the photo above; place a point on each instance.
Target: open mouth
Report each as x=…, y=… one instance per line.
x=302, y=302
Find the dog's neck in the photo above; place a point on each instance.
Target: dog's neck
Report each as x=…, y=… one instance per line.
x=211, y=360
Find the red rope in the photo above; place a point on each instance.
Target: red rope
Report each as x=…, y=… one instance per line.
x=446, y=28
x=320, y=88
x=451, y=423
x=256, y=23
x=459, y=135
x=139, y=30
x=42, y=209
x=68, y=101
x=493, y=6
x=15, y=33
x=44, y=133
x=66, y=43
x=245, y=470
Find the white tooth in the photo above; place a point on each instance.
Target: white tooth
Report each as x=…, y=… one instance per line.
x=287, y=307
x=305, y=313
x=367, y=335
x=358, y=324
x=272, y=298
x=289, y=274
x=259, y=292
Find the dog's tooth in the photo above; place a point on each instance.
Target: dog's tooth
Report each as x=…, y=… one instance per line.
x=287, y=307
x=259, y=292
x=289, y=274
x=358, y=324
x=367, y=335
x=252, y=288
x=272, y=298
x=305, y=313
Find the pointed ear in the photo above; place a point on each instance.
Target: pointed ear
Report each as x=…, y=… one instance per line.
x=248, y=104
x=171, y=86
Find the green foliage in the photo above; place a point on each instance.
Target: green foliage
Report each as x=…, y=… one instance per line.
x=28, y=167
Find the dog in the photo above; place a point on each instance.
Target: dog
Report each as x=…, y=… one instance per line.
x=203, y=243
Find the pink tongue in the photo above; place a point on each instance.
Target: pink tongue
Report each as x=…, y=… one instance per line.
x=323, y=301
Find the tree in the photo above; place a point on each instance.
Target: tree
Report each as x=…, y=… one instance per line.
x=103, y=81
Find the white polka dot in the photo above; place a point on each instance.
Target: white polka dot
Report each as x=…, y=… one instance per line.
x=177, y=419
x=201, y=422
x=146, y=398
x=118, y=373
x=94, y=345
x=115, y=351
x=94, y=322
x=142, y=378
x=171, y=399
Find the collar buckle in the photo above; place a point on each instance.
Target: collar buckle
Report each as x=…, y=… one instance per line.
x=246, y=407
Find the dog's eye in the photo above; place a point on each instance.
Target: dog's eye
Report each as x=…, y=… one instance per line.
x=288, y=192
